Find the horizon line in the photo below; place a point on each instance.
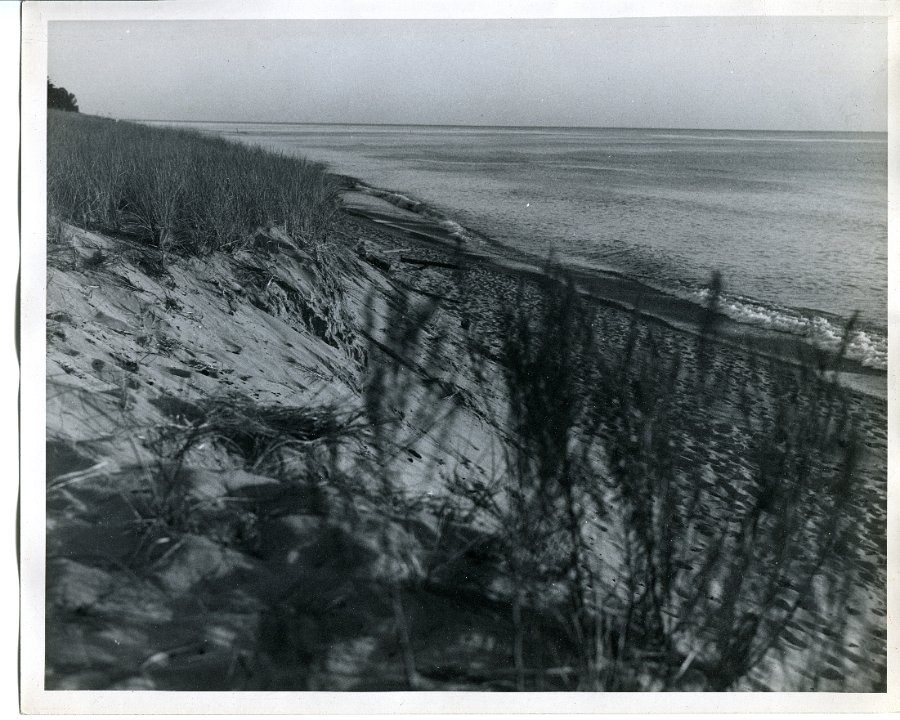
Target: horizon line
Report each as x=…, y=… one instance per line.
x=486, y=126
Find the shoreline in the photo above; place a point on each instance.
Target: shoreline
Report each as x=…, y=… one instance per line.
x=575, y=128
x=609, y=288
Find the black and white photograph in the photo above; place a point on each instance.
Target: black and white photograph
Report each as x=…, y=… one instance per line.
x=479, y=354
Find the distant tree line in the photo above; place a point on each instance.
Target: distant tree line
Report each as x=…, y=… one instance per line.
x=60, y=99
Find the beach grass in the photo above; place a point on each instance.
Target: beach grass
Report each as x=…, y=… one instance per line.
x=663, y=513
x=178, y=189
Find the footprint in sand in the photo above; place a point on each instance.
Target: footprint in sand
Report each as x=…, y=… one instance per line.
x=112, y=322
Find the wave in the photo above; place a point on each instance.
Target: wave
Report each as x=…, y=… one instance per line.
x=773, y=138
x=866, y=346
x=453, y=228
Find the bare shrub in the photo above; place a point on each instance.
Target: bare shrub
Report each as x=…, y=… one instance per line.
x=407, y=394
x=705, y=564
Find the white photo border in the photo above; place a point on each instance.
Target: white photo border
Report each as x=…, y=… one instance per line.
x=34, y=699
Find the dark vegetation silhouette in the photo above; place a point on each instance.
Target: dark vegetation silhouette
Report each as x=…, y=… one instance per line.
x=710, y=567
x=58, y=98
x=407, y=394
x=608, y=548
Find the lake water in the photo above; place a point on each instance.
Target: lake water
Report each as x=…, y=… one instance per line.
x=795, y=222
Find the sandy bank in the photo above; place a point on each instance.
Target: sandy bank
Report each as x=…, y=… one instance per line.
x=216, y=515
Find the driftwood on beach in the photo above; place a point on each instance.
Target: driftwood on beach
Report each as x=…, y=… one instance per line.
x=366, y=253
x=429, y=263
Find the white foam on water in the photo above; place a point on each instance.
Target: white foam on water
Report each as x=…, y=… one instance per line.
x=867, y=347
x=453, y=228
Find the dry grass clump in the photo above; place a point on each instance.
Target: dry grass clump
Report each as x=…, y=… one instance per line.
x=296, y=447
x=269, y=272
x=263, y=433
x=263, y=437
x=179, y=190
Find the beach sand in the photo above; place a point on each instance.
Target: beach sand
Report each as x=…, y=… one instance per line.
x=240, y=585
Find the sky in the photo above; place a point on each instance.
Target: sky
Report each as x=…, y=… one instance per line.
x=824, y=73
